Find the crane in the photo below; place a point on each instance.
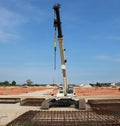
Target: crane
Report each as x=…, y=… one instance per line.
x=57, y=25
x=64, y=101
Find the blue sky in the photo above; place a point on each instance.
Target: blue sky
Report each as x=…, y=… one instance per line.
x=91, y=30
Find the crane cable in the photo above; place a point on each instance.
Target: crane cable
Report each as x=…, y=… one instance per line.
x=55, y=40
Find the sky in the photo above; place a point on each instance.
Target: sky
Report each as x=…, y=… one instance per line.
x=91, y=30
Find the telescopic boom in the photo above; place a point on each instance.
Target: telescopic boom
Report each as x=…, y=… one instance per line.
x=57, y=24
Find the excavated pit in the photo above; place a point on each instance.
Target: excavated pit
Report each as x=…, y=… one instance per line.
x=110, y=105
x=67, y=118
x=32, y=102
x=9, y=100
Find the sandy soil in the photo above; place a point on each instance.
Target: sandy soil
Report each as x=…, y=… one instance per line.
x=79, y=91
x=96, y=91
x=8, y=112
x=20, y=90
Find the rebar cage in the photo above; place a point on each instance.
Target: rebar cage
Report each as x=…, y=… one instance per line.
x=68, y=118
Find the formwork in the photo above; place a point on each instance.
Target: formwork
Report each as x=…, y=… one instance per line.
x=9, y=100
x=32, y=102
x=67, y=118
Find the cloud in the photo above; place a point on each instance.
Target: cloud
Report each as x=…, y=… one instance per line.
x=103, y=57
x=108, y=58
x=117, y=59
x=5, y=36
x=23, y=12
x=9, y=22
x=114, y=37
x=10, y=18
x=31, y=10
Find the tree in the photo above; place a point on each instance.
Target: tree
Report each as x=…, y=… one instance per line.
x=6, y=83
x=29, y=82
x=93, y=85
x=13, y=83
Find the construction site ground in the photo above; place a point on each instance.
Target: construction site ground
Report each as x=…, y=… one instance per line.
x=9, y=112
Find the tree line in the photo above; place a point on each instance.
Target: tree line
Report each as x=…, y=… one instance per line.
x=7, y=83
x=101, y=84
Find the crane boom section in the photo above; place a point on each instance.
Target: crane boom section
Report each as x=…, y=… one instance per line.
x=57, y=24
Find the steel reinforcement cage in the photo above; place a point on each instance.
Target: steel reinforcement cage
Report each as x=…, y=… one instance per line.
x=68, y=118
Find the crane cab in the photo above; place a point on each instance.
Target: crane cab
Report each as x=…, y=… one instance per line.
x=70, y=92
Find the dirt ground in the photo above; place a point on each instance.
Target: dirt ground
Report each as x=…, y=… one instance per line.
x=46, y=92
x=79, y=91
x=20, y=89
x=97, y=91
x=8, y=112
